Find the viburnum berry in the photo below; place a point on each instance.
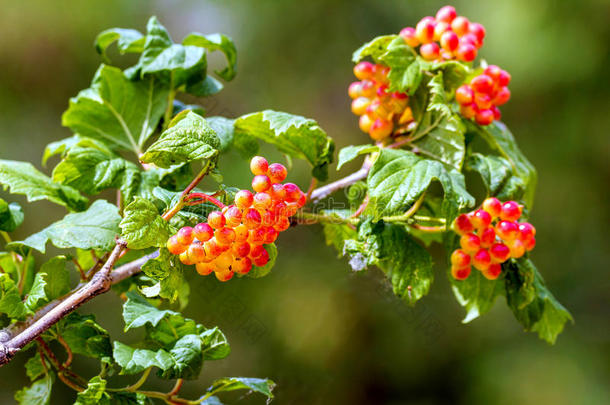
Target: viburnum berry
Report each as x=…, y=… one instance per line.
x=493, y=271
x=511, y=211
x=360, y=105
x=355, y=90
x=424, y=30
x=484, y=117
x=488, y=92
x=460, y=25
x=482, y=84
x=216, y=220
x=224, y=236
x=481, y=259
x=517, y=248
x=243, y=199
x=277, y=172
x=223, y=275
x=261, y=183
x=363, y=70
x=174, y=246
x=185, y=235
x=408, y=34
x=241, y=233
x=499, y=252
x=460, y=258
x=488, y=237
x=446, y=14
x=205, y=268
x=430, y=51
x=507, y=230
x=196, y=252
x=241, y=265
x=256, y=251
x=380, y=129
x=470, y=243
x=460, y=273
x=258, y=165
x=261, y=260
x=493, y=206
x=480, y=219
x=233, y=216
x=262, y=201
x=527, y=231
x=463, y=224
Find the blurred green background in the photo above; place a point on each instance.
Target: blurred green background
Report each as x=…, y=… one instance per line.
x=323, y=333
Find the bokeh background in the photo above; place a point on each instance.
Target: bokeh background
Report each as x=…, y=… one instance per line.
x=323, y=333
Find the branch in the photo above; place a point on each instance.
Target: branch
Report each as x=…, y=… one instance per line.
x=328, y=189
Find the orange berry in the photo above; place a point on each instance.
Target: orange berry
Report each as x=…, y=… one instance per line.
x=517, y=248
x=256, y=251
x=257, y=236
x=355, y=90
x=424, y=30
x=502, y=96
x=381, y=129
x=468, y=111
x=241, y=265
x=203, y=232
x=530, y=244
x=223, y=276
x=258, y=165
x=463, y=225
x=262, y=201
x=526, y=231
x=459, y=258
x=293, y=192
x=446, y=14
x=481, y=260
x=470, y=243
x=277, y=192
x=212, y=249
x=216, y=219
x=430, y=51
x=460, y=25
x=511, y=211
x=184, y=258
x=363, y=70
x=270, y=235
x=499, y=252
x=261, y=183
x=233, y=216
x=205, y=268
x=466, y=52
x=360, y=105
x=185, y=235
x=507, y=230
x=224, y=261
x=460, y=273
x=481, y=219
x=196, y=252
x=240, y=249
x=243, y=199
x=224, y=236
x=241, y=233
x=282, y=224
x=439, y=29
x=484, y=117
x=493, y=271
x=364, y=123
x=252, y=218
x=277, y=172
x=408, y=34
x=493, y=206
x=174, y=246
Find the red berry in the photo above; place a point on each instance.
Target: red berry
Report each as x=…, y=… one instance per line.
x=355, y=90
x=256, y=251
x=460, y=25
x=224, y=236
x=488, y=237
x=205, y=268
x=240, y=249
x=302, y=201
x=511, y=211
x=481, y=219
x=216, y=219
x=502, y=96
x=277, y=172
x=484, y=117
x=493, y=71
x=470, y=39
x=408, y=34
x=241, y=233
x=466, y=52
x=483, y=101
x=261, y=183
x=185, y=235
x=478, y=30
x=270, y=235
x=507, y=230
x=262, y=201
x=282, y=224
x=460, y=273
x=174, y=246
x=382, y=91
x=223, y=275
x=526, y=231
x=482, y=84
x=530, y=244
x=446, y=14
x=481, y=260
x=464, y=94
x=252, y=218
x=468, y=110
x=493, y=271
x=262, y=260
x=233, y=216
x=257, y=236
x=459, y=258
x=196, y=253
x=291, y=208
x=449, y=41
x=429, y=51
x=517, y=249
x=363, y=70
x=241, y=265
x=503, y=78
x=258, y=165
x=497, y=113
x=493, y=206
x=440, y=28
x=212, y=249
x=381, y=129
x=499, y=252
x=463, y=224
x=293, y=192
x=368, y=88
x=424, y=30
x=470, y=242
x=243, y=199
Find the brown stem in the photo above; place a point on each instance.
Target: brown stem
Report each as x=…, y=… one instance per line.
x=83, y=276
x=176, y=388
x=68, y=361
x=328, y=189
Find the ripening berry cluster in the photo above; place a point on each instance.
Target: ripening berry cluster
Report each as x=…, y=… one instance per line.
x=490, y=236
x=381, y=113
x=446, y=37
x=231, y=241
x=486, y=92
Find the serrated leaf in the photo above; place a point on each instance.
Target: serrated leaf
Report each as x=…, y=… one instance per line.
x=438, y=100
x=160, y=267
x=215, y=344
x=260, y=385
x=128, y=41
x=217, y=42
x=187, y=357
x=34, y=367
x=532, y=303
x=10, y=299
x=39, y=393
x=117, y=111
x=23, y=178
x=258, y=272
x=171, y=286
x=398, y=178
x=138, y=312
x=94, y=392
x=134, y=361
x=95, y=229
x=142, y=226
x=501, y=140
x=497, y=175
x=293, y=135
x=406, y=70
x=476, y=294
x=454, y=74
x=336, y=233
x=444, y=141
x=223, y=127
x=11, y=216
x=89, y=166
x=351, y=152
x=36, y=295
x=205, y=88
x=188, y=138
x=85, y=336
x=57, y=279
x=374, y=49
x=59, y=147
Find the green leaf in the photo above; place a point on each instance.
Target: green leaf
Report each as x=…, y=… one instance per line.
x=502, y=141
x=398, y=178
x=89, y=166
x=258, y=272
x=94, y=393
x=171, y=286
x=444, y=140
x=39, y=393
x=128, y=41
x=438, y=99
x=337, y=232
x=188, y=138
x=217, y=42
x=497, y=175
x=215, y=344
x=532, y=303
x=205, y=88
x=160, y=267
x=11, y=216
x=351, y=152
x=454, y=74
x=138, y=312
x=223, y=127
x=23, y=178
x=142, y=226
x=187, y=357
x=406, y=70
x=59, y=147
x=476, y=294
x=293, y=135
x=36, y=295
x=57, y=277
x=85, y=336
x=262, y=386
x=95, y=229
x=34, y=367
x=10, y=299
x=374, y=48
x=117, y=111
x=134, y=361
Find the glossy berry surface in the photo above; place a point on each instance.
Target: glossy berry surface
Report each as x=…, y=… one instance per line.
x=489, y=89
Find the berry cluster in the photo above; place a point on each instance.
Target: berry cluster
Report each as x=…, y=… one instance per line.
x=446, y=37
x=489, y=237
x=231, y=241
x=381, y=113
x=486, y=92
